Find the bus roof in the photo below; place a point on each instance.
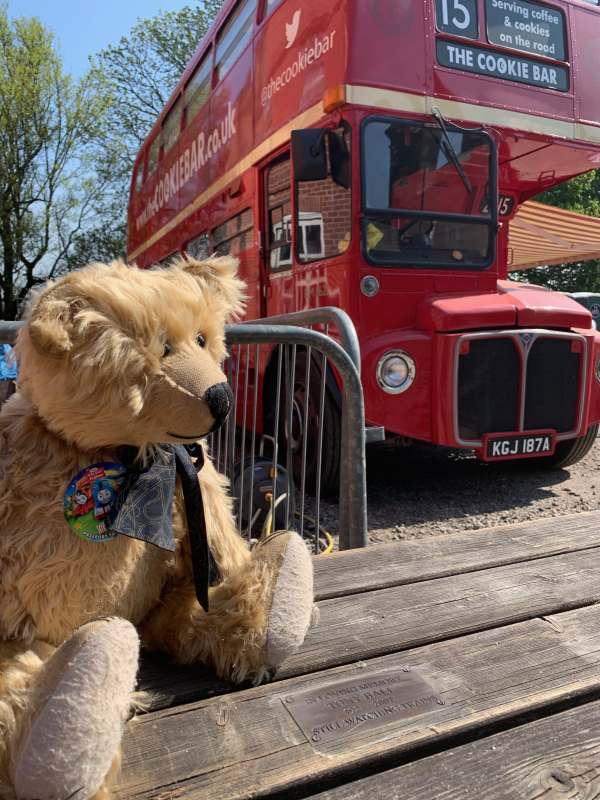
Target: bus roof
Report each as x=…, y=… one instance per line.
x=272, y=64
x=369, y=20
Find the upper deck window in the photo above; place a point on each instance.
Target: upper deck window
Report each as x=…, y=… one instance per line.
x=172, y=125
x=198, y=89
x=271, y=5
x=153, y=155
x=139, y=175
x=427, y=193
x=234, y=36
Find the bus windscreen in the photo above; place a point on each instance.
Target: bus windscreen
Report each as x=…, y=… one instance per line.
x=427, y=195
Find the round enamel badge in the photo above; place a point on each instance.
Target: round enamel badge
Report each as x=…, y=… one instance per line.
x=92, y=500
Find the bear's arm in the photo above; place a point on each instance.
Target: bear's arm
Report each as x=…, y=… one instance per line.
x=229, y=550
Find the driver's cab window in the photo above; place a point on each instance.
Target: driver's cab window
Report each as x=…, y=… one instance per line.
x=279, y=214
x=324, y=208
x=427, y=193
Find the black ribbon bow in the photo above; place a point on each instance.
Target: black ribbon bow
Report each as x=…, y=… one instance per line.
x=146, y=507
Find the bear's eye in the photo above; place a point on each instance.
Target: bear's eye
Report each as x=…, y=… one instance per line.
x=167, y=349
x=201, y=340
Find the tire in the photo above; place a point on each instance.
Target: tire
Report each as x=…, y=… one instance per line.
x=570, y=452
x=332, y=436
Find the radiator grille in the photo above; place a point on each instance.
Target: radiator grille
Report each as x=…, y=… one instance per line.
x=552, y=385
x=495, y=372
x=488, y=388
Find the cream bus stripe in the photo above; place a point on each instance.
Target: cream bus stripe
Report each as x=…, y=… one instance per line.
x=418, y=104
x=394, y=101
x=307, y=118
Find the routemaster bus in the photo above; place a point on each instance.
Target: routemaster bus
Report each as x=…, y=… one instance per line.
x=370, y=154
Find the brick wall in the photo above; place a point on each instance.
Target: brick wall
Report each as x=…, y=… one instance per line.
x=332, y=202
x=326, y=198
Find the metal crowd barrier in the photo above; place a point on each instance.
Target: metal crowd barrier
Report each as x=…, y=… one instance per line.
x=286, y=498
x=270, y=489
x=330, y=324
x=328, y=318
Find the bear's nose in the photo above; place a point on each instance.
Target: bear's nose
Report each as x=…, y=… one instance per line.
x=219, y=399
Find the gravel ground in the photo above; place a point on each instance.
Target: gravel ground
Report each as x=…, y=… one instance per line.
x=422, y=491
x=415, y=492
x=425, y=491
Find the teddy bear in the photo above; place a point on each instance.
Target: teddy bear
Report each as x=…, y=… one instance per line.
x=119, y=372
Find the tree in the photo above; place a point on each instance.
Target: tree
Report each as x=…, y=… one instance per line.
x=580, y=276
x=48, y=125
x=580, y=194
x=144, y=67
x=139, y=72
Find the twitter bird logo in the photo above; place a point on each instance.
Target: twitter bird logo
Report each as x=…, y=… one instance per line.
x=291, y=29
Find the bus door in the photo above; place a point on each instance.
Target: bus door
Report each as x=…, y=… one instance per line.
x=276, y=236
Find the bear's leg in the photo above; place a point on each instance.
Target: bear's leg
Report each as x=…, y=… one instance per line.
x=69, y=733
x=258, y=616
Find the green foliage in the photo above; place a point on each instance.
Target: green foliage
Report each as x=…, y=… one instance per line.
x=101, y=242
x=48, y=130
x=67, y=148
x=580, y=194
x=144, y=67
x=581, y=276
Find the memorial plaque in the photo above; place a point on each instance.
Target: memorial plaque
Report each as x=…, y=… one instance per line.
x=530, y=27
x=336, y=711
x=483, y=61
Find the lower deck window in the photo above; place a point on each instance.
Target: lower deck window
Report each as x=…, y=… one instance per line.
x=235, y=235
x=199, y=247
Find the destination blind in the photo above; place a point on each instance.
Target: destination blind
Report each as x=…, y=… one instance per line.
x=533, y=28
x=530, y=27
x=501, y=65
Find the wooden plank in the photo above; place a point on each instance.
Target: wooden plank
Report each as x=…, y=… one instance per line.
x=248, y=745
x=166, y=684
x=558, y=756
x=373, y=623
x=397, y=563
x=370, y=624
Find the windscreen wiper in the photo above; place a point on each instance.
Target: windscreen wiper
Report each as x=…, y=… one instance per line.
x=449, y=150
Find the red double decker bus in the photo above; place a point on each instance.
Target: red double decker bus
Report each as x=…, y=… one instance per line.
x=370, y=155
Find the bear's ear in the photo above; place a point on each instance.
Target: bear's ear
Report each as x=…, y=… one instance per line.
x=50, y=319
x=219, y=275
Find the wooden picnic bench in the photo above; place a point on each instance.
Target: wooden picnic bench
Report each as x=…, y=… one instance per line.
x=457, y=666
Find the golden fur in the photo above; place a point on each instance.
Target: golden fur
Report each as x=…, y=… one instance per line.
x=93, y=376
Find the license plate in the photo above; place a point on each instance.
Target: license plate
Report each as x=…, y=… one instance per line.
x=518, y=445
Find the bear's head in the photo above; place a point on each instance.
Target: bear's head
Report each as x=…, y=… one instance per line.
x=114, y=355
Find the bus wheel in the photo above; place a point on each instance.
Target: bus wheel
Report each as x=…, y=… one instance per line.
x=571, y=451
x=292, y=436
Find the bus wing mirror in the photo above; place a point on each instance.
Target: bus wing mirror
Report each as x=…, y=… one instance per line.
x=339, y=158
x=309, y=154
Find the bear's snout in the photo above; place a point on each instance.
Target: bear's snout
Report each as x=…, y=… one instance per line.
x=219, y=399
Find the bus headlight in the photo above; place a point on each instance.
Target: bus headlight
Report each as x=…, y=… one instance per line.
x=396, y=372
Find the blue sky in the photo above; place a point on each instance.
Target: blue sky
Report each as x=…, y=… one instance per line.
x=82, y=27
